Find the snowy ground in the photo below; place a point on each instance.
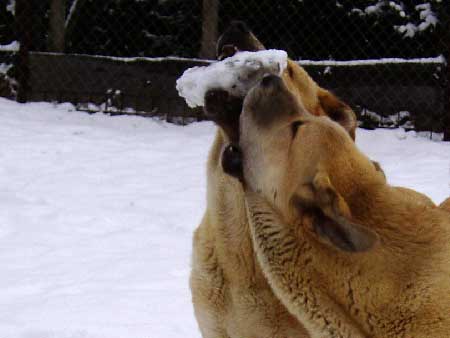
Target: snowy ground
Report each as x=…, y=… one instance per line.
x=97, y=215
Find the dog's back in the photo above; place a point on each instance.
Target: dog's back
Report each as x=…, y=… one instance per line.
x=445, y=205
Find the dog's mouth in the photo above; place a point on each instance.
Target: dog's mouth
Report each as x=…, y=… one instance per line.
x=221, y=107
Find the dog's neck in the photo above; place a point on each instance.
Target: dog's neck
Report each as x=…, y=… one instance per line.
x=226, y=201
x=312, y=277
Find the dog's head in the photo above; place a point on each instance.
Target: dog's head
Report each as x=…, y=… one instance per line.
x=300, y=162
x=237, y=38
x=224, y=109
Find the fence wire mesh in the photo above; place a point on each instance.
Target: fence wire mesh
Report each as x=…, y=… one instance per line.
x=95, y=53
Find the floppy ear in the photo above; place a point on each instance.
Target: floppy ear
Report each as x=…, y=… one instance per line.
x=338, y=111
x=332, y=216
x=287, y=264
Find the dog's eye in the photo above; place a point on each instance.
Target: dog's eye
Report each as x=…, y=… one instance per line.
x=294, y=127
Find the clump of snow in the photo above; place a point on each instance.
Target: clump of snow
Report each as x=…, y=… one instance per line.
x=372, y=115
x=428, y=19
x=10, y=47
x=408, y=30
x=11, y=7
x=374, y=9
x=357, y=11
x=373, y=119
x=427, y=15
x=5, y=67
x=397, y=7
x=236, y=74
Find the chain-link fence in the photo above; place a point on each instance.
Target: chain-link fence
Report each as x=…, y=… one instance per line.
x=387, y=59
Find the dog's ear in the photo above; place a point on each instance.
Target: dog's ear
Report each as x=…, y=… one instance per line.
x=332, y=217
x=338, y=111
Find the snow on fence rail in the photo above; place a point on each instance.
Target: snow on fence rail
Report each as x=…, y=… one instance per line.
x=147, y=85
x=367, y=62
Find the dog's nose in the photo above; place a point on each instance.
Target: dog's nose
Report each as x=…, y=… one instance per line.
x=271, y=81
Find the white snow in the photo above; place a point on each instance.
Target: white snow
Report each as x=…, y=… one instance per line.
x=97, y=215
x=72, y=9
x=427, y=15
x=396, y=6
x=236, y=74
x=96, y=223
x=11, y=6
x=5, y=67
x=408, y=30
x=427, y=20
x=10, y=47
x=374, y=9
x=410, y=159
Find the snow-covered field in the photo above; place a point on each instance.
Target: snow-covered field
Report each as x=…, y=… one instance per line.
x=97, y=215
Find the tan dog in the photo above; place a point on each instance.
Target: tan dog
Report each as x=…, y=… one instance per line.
x=347, y=254
x=231, y=296
x=415, y=196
